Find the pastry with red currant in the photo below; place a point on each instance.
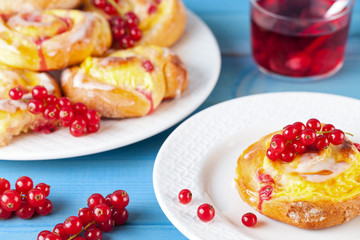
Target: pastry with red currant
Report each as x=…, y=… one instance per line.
x=142, y=22
x=306, y=175
x=22, y=105
x=126, y=83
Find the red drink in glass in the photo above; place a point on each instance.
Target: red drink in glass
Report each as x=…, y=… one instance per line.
x=299, y=38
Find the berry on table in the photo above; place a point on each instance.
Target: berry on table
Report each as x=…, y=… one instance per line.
x=249, y=219
x=86, y=216
x=66, y=114
x=10, y=200
x=59, y=230
x=16, y=93
x=43, y=234
x=25, y=211
x=206, y=212
x=120, y=216
x=52, y=236
x=4, y=185
x=185, y=196
x=102, y=213
x=36, y=197
x=4, y=214
x=45, y=209
x=93, y=234
x=107, y=226
x=119, y=199
x=94, y=200
x=24, y=185
x=44, y=188
x=72, y=225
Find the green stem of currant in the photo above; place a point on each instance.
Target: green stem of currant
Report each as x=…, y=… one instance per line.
x=115, y=5
x=82, y=230
x=322, y=132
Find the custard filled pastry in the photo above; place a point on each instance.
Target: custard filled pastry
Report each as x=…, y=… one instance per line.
x=127, y=83
x=14, y=6
x=162, y=22
x=52, y=39
x=314, y=189
x=14, y=116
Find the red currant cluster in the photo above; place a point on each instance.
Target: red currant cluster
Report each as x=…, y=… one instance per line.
x=101, y=215
x=206, y=212
x=25, y=200
x=298, y=138
x=76, y=116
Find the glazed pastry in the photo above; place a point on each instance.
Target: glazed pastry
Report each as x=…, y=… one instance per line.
x=14, y=116
x=127, y=83
x=14, y=6
x=162, y=22
x=317, y=189
x=52, y=39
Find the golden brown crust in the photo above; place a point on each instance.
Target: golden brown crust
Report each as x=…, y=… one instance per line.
x=35, y=46
x=14, y=6
x=300, y=211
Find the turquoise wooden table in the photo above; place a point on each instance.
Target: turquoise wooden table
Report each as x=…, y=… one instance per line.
x=130, y=168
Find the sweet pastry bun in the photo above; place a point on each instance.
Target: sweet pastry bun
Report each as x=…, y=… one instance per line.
x=162, y=27
x=52, y=39
x=127, y=83
x=14, y=116
x=14, y=6
x=318, y=189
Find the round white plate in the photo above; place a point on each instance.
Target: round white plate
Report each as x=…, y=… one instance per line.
x=201, y=155
x=199, y=51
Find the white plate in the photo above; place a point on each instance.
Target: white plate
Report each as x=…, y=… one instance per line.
x=199, y=51
x=201, y=155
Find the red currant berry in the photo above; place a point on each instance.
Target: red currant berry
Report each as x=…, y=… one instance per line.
x=64, y=102
x=158, y=1
x=185, y=196
x=72, y=225
x=287, y=155
x=107, y=226
x=4, y=185
x=4, y=214
x=16, y=93
x=93, y=128
x=127, y=42
x=135, y=33
x=249, y=219
x=119, y=199
x=152, y=9
x=78, y=127
x=149, y=67
x=131, y=20
x=120, y=216
x=51, y=112
x=52, y=236
x=39, y=93
x=66, y=114
x=313, y=124
x=43, y=234
x=110, y=9
x=59, y=230
x=25, y=210
x=94, y=200
x=118, y=31
x=298, y=146
x=102, y=213
x=308, y=137
x=336, y=137
x=36, y=197
x=327, y=128
x=117, y=21
x=277, y=145
x=10, y=200
x=80, y=109
x=93, y=234
x=273, y=156
x=108, y=200
x=44, y=188
x=45, y=209
x=277, y=136
x=289, y=132
x=206, y=212
x=86, y=216
x=24, y=185
x=92, y=117
x=35, y=106
x=51, y=100
x=299, y=126
x=321, y=142
x=99, y=3
x=357, y=146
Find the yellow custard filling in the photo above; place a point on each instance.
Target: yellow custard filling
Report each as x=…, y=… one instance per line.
x=149, y=22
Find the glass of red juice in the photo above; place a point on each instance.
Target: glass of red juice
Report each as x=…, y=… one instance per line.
x=302, y=39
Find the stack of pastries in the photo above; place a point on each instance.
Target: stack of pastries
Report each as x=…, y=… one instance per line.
x=38, y=36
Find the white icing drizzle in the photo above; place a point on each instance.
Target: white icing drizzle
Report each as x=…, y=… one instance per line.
x=11, y=106
x=45, y=81
x=79, y=83
x=19, y=20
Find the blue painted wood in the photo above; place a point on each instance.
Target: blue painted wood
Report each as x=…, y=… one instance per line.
x=130, y=168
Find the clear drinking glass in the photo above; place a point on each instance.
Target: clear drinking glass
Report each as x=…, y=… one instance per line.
x=302, y=39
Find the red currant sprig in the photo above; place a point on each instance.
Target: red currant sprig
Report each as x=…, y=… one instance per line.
x=25, y=201
x=299, y=137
